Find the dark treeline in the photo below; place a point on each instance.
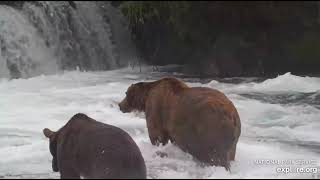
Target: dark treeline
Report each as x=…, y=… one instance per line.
x=231, y=38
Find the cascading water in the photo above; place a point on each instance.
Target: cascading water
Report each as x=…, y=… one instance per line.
x=44, y=37
x=23, y=52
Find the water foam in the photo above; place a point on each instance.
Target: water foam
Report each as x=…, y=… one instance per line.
x=283, y=83
x=43, y=37
x=23, y=52
x=269, y=131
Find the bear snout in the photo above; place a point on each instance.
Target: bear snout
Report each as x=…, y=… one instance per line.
x=123, y=106
x=55, y=165
x=120, y=107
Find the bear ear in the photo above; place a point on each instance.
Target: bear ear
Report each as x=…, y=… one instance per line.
x=48, y=133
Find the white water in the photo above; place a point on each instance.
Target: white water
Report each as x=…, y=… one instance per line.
x=270, y=131
x=46, y=37
x=22, y=47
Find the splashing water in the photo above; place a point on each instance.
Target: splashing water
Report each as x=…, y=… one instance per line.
x=46, y=37
x=271, y=130
x=23, y=53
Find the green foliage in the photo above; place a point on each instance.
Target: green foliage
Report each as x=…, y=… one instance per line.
x=188, y=30
x=138, y=12
x=306, y=50
x=170, y=13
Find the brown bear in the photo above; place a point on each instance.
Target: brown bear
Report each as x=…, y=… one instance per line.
x=201, y=121
x=91, y=149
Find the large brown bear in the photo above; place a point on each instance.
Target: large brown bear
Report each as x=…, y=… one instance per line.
x=90, y=149
x=201, y=121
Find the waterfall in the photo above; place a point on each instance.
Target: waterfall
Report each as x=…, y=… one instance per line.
x=45, y=37
x=23, y=53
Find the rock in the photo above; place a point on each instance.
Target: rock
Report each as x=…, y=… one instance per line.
x=225, y=54
x=210, y=69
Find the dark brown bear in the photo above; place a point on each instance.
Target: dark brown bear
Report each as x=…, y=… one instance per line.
x=201, y=121
x=90, y=149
